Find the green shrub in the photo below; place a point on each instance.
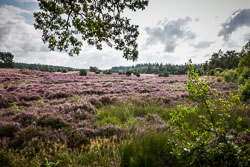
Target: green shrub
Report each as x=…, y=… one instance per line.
x=83, y=72
x=7, y=159
x=231, y=76
x=149, y=150
x=211, y=72
x=137, y=74
x=121, y=72
x=244, y=74
x=5, y=86
x=219, y=79
x=107, y=72
x=244, y=91
x=205, y=127
x=220, y=70
x=98, y=72
x=64, y=71
x=128, y=73
x=164, y=74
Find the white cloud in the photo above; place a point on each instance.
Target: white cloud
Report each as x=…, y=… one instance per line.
x=169, y=33
x=238, y=19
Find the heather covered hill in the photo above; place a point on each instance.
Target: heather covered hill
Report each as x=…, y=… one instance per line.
x=66, y=111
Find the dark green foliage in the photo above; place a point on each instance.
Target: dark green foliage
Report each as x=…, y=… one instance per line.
x=218, y=71
x=231, y=76
x=244, y=91
x=95, y=21
x=121, y=72
x=227, y=60
x=164, y=74
x=97, y=71
x=6, y=60
x=137, y=74
x=211, y=72
x=64, y=71
x=41, y=67
x=93, y=69
x=5, y=86
x=219, y=79
x=128, y=73
x=205, y=127
x=83, y=72
x=7, y=159
x=108, y=72
x=155, y=68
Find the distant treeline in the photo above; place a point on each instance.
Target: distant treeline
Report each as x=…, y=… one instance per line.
x=153, y=68
x=219, y=61
x=41, y=67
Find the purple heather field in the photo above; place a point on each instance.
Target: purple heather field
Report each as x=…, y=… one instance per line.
x=38, y=105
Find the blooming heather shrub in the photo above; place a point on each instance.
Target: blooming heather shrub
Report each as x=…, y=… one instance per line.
x=82, y=115
x=25, y=118
x=8, y=129
x=4, y=102
x=53, y=121
x=95, y=101
x=110, y=130
x=88, y=107
x=26, y=136
x=11, y=88
x=76, y=138
x=106, y=100
x=57, y=95
x=28, y=97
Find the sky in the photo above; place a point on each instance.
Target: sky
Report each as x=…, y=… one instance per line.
x=170, y=32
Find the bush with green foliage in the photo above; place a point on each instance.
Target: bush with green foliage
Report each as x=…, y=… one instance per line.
x=128, y=73
x=93, y=69
x=244, y=91
x=137, y=74
x=6, y=60
x=205, y=128
x=164, y=74
x=83, y=72
x=230, y=76
x=121, y=72
x=219, y=79
x=64, y=71
x=107, y=72
x=211, y=72
x=218, y=69
x=97, y=71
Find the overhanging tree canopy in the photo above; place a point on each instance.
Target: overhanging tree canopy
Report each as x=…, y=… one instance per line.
x=65, y=23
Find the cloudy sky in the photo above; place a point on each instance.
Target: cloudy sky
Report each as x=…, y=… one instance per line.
x=170, y=32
